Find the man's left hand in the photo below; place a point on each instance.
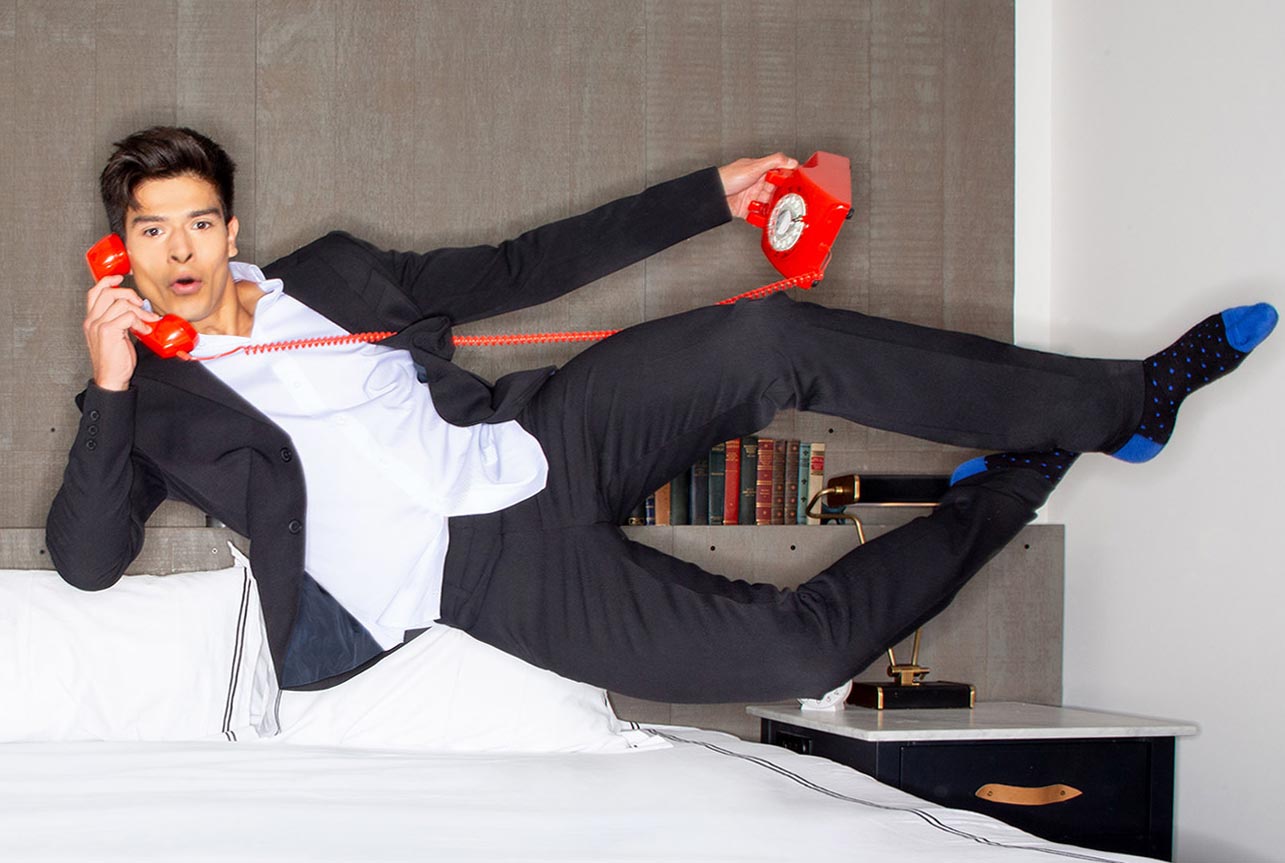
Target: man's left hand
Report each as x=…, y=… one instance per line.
x=743, y=181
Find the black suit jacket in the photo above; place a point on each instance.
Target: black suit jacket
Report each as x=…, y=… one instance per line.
x=178, y=432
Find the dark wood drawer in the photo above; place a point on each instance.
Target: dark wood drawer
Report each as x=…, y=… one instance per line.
x=1126, y=784
x=1113, y=777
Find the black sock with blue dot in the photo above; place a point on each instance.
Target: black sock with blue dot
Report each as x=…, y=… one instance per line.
x=1208, y=351
x=1050, y=464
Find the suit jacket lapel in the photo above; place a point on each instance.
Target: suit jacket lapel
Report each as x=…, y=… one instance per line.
x=193, y=378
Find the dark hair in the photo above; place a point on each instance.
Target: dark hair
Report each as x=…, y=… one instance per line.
x=159, y=153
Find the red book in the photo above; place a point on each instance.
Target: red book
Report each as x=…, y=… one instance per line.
x=778, y=480
x=732, y=483
x=790, y=504
x=763, y=487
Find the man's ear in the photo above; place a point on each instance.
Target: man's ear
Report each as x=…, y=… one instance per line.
x=234, y=227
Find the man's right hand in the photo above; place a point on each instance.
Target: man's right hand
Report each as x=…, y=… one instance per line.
x=111, y=312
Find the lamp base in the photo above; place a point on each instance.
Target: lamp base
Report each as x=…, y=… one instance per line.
x=935, y=694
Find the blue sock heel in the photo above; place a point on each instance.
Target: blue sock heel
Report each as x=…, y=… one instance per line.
x=1051, y=464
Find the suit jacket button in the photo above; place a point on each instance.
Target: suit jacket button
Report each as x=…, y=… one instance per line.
x=92, y=430
x=94, y=416
x=287, y=454
x=294, y=526
x=91, y=444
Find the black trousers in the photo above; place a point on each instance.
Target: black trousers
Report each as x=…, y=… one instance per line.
x=553, y=580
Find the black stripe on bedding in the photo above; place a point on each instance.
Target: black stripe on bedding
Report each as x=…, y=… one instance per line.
x=927, y=817
x=238, y=651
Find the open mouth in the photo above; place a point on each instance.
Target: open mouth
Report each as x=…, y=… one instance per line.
x=186, y=285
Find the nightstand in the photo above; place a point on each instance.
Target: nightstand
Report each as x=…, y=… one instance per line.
x=1099, y=780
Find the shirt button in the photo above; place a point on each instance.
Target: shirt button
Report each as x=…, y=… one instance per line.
x=294, y=526
x=94, y=416
x=286, y=454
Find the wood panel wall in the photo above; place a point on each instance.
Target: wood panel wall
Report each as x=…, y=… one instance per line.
x=420, y=124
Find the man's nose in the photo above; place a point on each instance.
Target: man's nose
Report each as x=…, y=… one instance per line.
x=180, y=249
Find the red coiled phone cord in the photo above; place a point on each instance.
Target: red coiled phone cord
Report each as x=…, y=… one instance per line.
x=807, y=280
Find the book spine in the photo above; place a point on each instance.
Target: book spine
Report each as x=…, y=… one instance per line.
x=732, y=482
x=805, y=468
x=778, y=481
x=699, y=508
x=763, y=492
x=749, y=480
x=717, y=477
x=790, y=502
x=650, y=511
x=816, y=476
x=662, y=505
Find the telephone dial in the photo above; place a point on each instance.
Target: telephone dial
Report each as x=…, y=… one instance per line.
x=802, y=220
x=800, y=224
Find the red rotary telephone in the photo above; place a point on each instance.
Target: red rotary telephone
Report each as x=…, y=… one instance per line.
x=803, y=218
x=171, y=335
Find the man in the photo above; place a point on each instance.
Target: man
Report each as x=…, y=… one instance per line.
x=495, y=509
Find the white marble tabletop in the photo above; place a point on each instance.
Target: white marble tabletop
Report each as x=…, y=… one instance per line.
x=989, y=720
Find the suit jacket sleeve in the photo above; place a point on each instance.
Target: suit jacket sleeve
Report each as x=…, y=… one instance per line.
x=95, y=525
x=470, y=283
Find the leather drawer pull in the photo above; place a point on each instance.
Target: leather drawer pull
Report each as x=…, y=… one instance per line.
x=1016, y=795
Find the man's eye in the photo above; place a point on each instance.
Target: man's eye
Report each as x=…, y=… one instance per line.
x=151, y=232
x=203, y=224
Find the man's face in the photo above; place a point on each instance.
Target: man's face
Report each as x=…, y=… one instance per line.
x=179, y=248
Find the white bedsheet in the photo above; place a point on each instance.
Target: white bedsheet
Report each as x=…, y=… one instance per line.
x=708, y=797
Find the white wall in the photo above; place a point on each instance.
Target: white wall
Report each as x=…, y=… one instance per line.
x=1161, y=168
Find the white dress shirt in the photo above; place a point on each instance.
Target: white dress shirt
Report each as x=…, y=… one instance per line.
x=383, y=469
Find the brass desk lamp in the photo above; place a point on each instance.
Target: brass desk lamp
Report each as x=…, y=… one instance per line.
x=908, y=688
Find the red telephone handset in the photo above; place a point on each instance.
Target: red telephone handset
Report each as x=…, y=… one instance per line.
x=171, y=335
x=803, y=218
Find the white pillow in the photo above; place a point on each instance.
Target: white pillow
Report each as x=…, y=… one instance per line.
x=178, y=657
x=447, y=691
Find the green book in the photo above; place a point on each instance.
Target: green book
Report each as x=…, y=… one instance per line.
x=717, y=478
x=749, y=478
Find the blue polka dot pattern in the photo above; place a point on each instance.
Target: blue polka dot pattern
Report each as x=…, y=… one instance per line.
x=1200, y=357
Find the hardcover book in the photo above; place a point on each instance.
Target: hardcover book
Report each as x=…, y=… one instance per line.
x=778, y=480
x=732, y=482
x=816, y=475
x=805, y=469
x=790, y=503
x=763, y=487
x=662, y=505
x=717, y=475
x=749, y=480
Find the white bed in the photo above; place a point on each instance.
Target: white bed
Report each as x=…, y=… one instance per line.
x=142, y=723
x=708, y=797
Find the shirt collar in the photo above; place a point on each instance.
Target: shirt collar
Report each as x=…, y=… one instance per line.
x=242, y=272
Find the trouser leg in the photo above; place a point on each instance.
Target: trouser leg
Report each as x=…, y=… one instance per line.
x=641, y=405
x=591, y=605
x=554, y=581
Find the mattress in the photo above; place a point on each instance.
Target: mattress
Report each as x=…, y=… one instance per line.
x=707, y=796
